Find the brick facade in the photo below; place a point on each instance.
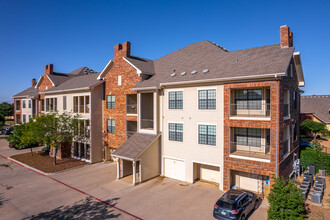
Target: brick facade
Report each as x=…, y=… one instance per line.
x=45, y=84
x=129, y=78
x=283, y=167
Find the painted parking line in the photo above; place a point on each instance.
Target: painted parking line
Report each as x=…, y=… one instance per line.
x=78, y=190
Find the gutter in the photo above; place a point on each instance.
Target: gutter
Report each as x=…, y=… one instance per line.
x=273, y=75
x=65, y=90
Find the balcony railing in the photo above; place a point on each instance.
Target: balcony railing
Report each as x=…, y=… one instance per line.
x=260, y=152
x=131, y=109
x=147, y=124
x=250, y=110
x=286, y=110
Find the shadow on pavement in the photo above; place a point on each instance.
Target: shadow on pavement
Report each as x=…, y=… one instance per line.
x=256, y=207
x=83, y=209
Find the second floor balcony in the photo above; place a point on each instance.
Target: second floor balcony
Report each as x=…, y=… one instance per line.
x=250, y=103
x=250, y=143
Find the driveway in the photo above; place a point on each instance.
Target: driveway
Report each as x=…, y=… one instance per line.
x=66, y=195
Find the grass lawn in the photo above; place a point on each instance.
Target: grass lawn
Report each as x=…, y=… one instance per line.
x=44, y=162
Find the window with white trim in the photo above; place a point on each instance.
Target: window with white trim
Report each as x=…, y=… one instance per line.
x=207, y=99
x=175, y=131
x=175, y=100
x=111, y=101
x=207, y=134
x=111, y=126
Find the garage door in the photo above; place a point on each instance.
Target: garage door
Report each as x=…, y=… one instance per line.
x=175, y=169
x=250, y=182
x=210, y=173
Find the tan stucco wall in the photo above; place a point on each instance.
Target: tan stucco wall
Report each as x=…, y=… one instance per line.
x=94, y=115
x=26, y=111
x=189, y=150
x=150, y=161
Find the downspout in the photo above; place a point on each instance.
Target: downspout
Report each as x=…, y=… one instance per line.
x=277, y=123
x=162, y=89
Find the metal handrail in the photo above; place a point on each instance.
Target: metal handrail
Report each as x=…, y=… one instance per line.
x=252, y=150
x=262, y=109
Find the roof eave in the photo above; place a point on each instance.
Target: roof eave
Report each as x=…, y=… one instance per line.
x=138, y=71
x=298, y=66
x=105, y=70
x=65, y=90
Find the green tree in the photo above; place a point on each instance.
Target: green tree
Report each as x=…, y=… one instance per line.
x=6, y=109
x=313, y=126
x=285, y=200
x=2, y=120
x=54, y=130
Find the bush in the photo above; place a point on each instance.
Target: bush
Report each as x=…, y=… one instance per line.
x=2, y=120
x=321, y=160
x=286, y=200
x=21, y=138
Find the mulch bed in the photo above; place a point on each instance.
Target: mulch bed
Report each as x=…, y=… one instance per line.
x=42, y=161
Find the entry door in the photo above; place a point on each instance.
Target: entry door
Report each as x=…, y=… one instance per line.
x=175, y=169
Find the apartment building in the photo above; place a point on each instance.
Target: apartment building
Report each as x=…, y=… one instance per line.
x=26, y=104
x=206, y=113
x=80, y=93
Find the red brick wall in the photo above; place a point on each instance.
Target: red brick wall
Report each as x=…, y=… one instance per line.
x=255, y=167
x=45, y=83
x=129, y=78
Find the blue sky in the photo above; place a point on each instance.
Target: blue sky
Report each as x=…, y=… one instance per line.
x=75, y=33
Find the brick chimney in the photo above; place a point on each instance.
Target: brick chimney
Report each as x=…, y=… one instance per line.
x=33, y=82
x=122, y=50
x=49, y=69
x=286, y=37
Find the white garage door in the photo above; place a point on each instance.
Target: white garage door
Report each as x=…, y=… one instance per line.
x=250, y=183
x=210, y=173
x=175, y=169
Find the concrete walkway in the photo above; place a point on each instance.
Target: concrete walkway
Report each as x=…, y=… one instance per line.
x=34, y=196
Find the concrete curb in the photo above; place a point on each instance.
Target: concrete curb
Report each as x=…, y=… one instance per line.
x=31, y=168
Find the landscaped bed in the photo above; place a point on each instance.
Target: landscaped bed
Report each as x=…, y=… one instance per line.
x=42, y=161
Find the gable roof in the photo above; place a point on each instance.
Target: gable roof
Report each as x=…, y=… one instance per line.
x=319, y=105
x=145, y=66
x=76, y=83
x=27, y=93
x=220, y=63
x=135, y=146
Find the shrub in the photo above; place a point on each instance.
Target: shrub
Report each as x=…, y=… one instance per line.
x=320, y=159
x=286, y=200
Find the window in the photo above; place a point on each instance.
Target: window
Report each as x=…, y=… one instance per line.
x=111, y=126
x=75, y=149
x=207, y=134
x=206, y=99
x=175, y=132
x=110, y=102
x=24, y=104
x=29, y=103
x=248, y=136
x=42, y=103
x=64, y=103
x=286, y=138
x=86, y=104
x=51, y=104
x=248, y=99
x=295, y=132
x=30, y=116
x=295, y=99
x=175, y=100
x=119, y=80
x=24, y=118
x=81, y=104
x=18, y=105
x=75, y=104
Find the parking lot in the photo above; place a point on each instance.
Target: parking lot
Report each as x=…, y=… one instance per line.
x=92, y=191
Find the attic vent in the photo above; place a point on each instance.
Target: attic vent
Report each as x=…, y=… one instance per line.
x=183, y=73
x=194, y=72
x=173, y=74
x=205, y=71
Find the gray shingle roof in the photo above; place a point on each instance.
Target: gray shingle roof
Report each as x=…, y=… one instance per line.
x=135, y=146
x=27, y=93
x=143, y=64
x=319, y=105
x=220, y=63
x=77, y=82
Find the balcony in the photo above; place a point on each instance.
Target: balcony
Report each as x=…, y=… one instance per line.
x=248, y=109
x=131, y=104
x=250, y=103
x=259, y=152
x=147, y=124
x=148, y=114
x=131, y=127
